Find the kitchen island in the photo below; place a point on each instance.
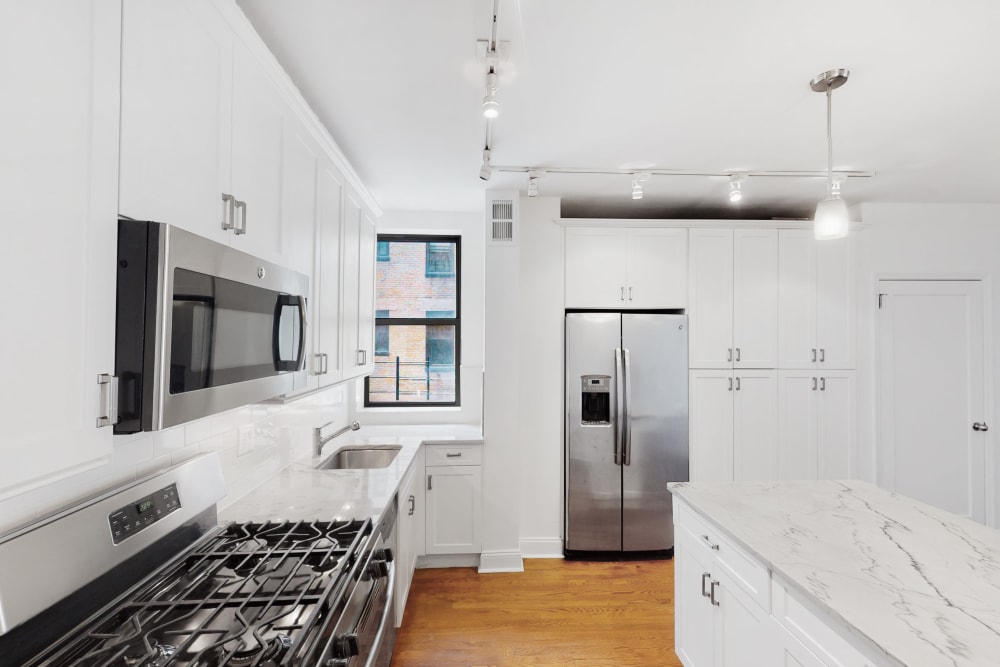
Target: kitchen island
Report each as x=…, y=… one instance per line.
x=831, y=573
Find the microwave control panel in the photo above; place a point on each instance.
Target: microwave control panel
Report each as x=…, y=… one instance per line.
x=136, y=516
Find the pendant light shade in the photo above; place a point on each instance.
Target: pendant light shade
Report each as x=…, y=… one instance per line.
x=830, y=221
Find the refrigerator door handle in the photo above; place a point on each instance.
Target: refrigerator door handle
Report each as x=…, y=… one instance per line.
x=628, y=409
x=619, y=406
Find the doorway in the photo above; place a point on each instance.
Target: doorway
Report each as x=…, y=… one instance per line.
x=932, y=393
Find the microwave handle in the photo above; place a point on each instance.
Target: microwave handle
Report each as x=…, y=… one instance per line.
x=293, y=364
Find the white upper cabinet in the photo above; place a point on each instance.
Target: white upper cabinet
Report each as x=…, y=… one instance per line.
x=733, y=298
x=327, y=362
x=815, y=302
x=176, y=101
x=60, y=180
x=201, y=135
x=358, y=257
x=626, y=268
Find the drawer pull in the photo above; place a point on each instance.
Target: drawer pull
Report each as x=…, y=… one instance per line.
x=712, y=595
x=453, y=455
x=705, y=576
x=709, y=543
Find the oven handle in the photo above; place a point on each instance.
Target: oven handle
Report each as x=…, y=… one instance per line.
x=294, y=364
x=386, y=613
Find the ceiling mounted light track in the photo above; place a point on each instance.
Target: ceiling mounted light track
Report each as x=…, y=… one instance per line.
x=491, y=109
x=830, y=221
x=736, y=188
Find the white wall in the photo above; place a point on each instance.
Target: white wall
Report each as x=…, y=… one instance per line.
x=470, y=227
x=926, y=241
x=254, y=442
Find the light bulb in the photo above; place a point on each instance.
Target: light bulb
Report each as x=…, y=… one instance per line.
x=636, y=190
x=830, y=221
x=490, y=107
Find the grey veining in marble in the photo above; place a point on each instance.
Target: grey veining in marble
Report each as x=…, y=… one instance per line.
x=921, y=585
x=301, y=492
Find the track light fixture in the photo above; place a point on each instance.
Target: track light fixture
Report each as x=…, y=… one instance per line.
x=533, y=177
x=486, y=170
x=636, y=189
x=830, y=221
x=736, y=188
x=491, y=109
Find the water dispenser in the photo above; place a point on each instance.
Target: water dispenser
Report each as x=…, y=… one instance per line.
x=595, y=392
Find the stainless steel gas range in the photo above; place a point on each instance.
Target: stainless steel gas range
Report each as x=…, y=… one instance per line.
x=144, y=576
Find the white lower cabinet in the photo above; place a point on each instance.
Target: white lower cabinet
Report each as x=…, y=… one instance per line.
x=733, y=417
x=453, y=492
x=816, y=424
x=410, y=529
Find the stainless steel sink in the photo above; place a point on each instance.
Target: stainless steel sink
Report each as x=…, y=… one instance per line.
x=361, y=457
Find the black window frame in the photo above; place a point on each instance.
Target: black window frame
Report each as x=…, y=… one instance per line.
x=456, y=321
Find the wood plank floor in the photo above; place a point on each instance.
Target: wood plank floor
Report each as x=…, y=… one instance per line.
x=555, y=613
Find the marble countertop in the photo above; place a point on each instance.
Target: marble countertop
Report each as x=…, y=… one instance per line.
x=301, y=492
x=920, y=585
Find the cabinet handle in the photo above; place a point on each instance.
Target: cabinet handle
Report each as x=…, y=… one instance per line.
x=737, y=354
x=227, y=211
x=362, y=357
x=822, y=354
x=814, y=384
x=737, y=384
x=413, y=505
x=709, y=542
x=108, y=410
x=715, y=585
x=326, y=363
x=730, y=384
x=453, y=455
x=430, y=486
x=704, y=577
x=629, y=293
x=822, y=384
x=729, y=354
x=814, y=353
x=980, y=426
x=242, y=227
x=623, y=292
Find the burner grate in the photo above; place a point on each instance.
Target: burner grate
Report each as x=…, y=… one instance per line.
x=251, y=595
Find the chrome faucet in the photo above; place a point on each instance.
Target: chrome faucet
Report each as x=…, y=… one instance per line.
x=319, y=440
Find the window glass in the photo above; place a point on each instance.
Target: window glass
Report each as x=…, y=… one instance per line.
x=440, y=259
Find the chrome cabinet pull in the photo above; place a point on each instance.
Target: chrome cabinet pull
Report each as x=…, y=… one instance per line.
x=715, y=584
x=453, y=455
x=737, y=354
x=108, y=410
x=623, y=292
x=413, y=505
x=730, y=384
x=362, y=357
x=822, y=354
x=814, y=384
x=705, y=576
x=729, y=354
x=430, y=485
x=227, y=211
x=709, y=543
x=822, y=384
x=737, y=384
x=980, y=426
x=629, y=293
x=814, y=353
x=241, y=206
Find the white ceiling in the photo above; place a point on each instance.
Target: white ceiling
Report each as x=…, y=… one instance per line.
x=712, y=85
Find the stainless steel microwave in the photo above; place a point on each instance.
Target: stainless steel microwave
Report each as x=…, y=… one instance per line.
x=200, y=327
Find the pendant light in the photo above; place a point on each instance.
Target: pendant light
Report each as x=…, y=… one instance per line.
x=830, y=221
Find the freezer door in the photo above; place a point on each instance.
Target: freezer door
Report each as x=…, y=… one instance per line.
x=656, y=427
x=593, y=480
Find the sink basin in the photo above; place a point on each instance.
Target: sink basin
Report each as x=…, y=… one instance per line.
x=361, y=457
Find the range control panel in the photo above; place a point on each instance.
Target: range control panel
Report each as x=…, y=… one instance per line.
x=146, y=511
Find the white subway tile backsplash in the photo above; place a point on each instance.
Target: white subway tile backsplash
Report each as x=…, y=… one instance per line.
x=196, y=431
x=169, y=440
x=152, y=465
x=184, y=454
x=223, y=423
x=217, y=443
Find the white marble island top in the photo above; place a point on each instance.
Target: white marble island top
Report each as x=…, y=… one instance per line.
x=919, y=585
x=301, y=492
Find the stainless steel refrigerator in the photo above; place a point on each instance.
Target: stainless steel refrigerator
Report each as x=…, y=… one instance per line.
x=626, y=429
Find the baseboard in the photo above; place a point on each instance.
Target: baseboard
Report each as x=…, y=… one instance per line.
x=448, y=560
x=500, y=561
x=542, y=547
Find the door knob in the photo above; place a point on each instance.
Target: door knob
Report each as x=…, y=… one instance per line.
x=980, y=426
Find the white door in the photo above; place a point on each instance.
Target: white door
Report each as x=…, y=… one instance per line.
x=656, y=264
x=710, y=419
x=744, y=631
x=796, y=299
x=350, y=250
x=835, y=328
x=755, y=425
x=710, y=286
x=366, y=293
x=327, y=276
x=694, y=615
x=755, y=298
x=835, y=425
x=453, y=505
x=797, y=435
x=595, y=267
x=931, y=392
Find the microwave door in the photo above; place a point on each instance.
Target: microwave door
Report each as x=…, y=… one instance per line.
x=288, y=343
x=192, y=343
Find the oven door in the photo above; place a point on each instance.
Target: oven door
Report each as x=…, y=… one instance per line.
x=365, y=626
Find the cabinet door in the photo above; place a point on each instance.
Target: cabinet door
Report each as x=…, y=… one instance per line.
x=710, y=272
x=744, y=631
x=60, y=174
x=326, y=310
x=366, y=294
x=798, y=399
x=656, y=264
x=454, y=503
x=258, y=125
x=835, y=321
x=350, y=250
x=755, y=298
x=755, y=425
x=410, y=531
x=835, y=425
x=791, y=652
x=595, y=267
x=694, y=614
x=176, y=97
x=711, y=425
x=797, y=299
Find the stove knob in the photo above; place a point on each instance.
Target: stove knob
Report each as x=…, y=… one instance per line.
x=378, y=569
x=385, y=554
x=346, y=646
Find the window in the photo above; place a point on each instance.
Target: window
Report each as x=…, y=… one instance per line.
x=382, y=254
x=440, y=260
x=417, y=322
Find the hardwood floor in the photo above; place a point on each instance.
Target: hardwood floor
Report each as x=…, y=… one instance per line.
x=554, y=613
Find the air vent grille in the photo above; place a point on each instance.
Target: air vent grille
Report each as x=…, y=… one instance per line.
x=502, y=217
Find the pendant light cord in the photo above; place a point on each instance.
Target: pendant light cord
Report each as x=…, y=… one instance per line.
x=829, y=141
